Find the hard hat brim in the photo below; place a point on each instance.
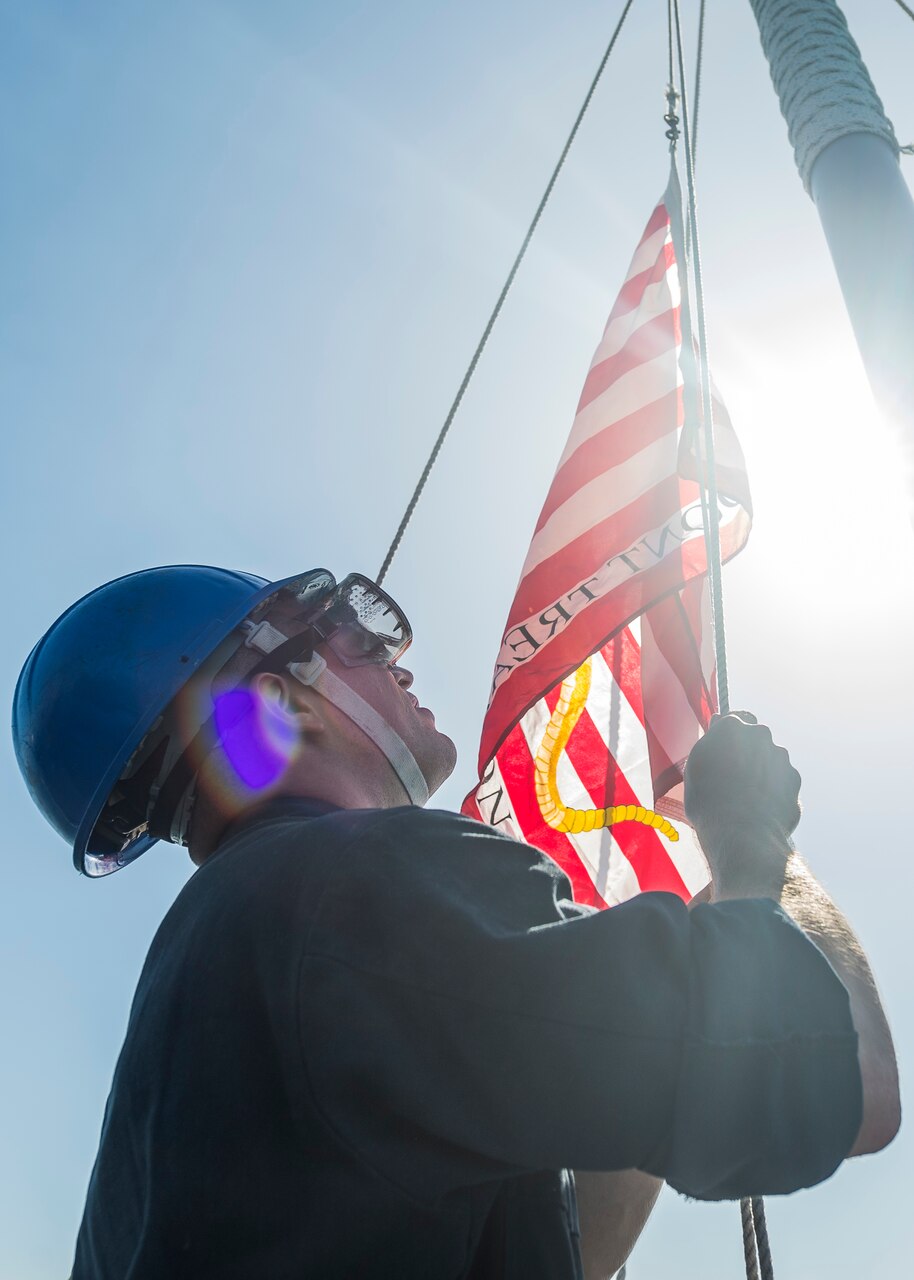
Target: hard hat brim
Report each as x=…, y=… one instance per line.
x=96, y=864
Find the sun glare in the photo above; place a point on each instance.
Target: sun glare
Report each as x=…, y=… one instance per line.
x=831, y=508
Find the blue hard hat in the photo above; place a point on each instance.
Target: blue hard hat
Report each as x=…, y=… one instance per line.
x=98, y=680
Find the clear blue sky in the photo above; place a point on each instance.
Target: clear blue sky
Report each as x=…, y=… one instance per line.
x=247, y=251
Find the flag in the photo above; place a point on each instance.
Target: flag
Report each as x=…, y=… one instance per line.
x=605, y=676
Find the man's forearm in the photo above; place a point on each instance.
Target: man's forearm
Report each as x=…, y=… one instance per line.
x=781, y=874
x=613, y=1208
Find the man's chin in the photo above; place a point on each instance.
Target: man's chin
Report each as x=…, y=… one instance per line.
x=442, y=766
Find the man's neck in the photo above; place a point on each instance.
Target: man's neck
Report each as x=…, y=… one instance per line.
x=315, y=782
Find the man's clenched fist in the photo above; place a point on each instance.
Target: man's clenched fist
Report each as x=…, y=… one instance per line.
x=737, y=778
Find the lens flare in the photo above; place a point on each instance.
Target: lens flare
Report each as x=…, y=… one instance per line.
x=256, y=738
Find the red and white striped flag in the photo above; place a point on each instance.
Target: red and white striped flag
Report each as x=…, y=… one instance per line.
x=605, y=676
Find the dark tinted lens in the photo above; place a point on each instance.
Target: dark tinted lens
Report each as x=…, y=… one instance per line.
x=354, y=644
x=370, y=626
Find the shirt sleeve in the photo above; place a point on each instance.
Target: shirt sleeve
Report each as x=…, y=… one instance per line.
x=445, y=1005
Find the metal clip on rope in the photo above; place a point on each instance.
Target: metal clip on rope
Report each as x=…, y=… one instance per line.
x=671, y=119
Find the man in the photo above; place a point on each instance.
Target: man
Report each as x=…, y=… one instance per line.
x=371, y=1040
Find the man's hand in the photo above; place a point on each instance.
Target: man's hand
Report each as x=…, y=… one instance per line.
x=741, y=795
x=737, y=773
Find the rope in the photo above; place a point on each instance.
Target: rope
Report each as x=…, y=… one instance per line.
x=688, y=335
x=442, y=434
x=823, y=87
x=714, y=566
x=698, y=57
x=761, y=1235
x=750, y=1252
x=901, y=5
x=756, y=1248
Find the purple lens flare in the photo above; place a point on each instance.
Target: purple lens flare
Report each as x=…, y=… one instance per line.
x=257, y=739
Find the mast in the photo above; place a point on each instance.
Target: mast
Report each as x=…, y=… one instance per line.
x=847, y=157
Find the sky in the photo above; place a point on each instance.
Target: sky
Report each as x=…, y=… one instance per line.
x=247, y=251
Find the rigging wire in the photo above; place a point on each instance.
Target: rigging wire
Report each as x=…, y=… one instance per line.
x=696, y=97
x=760, y=1222
x=901, y=5
x=714, y=564
x=750, y=1245
x=757, y=1253
x=442, y=434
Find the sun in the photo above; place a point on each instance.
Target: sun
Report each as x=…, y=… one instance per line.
x=833, y=515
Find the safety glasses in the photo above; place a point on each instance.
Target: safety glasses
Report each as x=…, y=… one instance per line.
x=359, y=621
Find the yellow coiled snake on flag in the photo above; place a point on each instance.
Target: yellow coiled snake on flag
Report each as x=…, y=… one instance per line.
x=572, y=698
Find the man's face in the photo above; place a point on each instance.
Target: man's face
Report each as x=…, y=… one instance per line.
x=387, y=689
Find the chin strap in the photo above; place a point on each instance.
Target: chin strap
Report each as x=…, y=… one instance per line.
x=171, y=802
x=317, y=676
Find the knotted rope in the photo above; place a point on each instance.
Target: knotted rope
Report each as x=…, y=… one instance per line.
x=824, y=89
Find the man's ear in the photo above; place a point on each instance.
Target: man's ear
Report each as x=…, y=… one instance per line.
x=288, y=699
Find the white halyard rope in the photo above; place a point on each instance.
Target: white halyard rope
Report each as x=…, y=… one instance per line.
x=823, y=87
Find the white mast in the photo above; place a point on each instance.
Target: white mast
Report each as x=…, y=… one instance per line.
x=847, y=156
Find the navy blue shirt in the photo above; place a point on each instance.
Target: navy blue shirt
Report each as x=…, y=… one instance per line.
x=367, y=1044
